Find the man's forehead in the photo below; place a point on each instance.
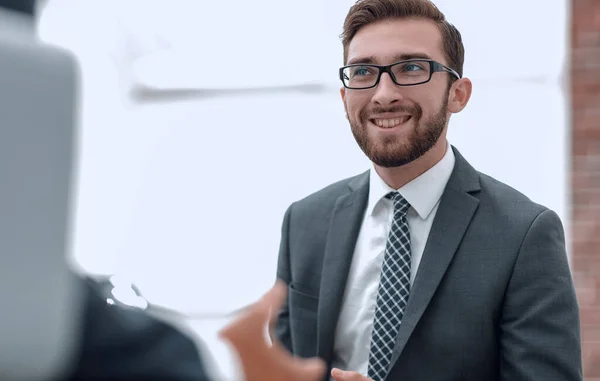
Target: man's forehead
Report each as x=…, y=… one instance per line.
x=392, y=39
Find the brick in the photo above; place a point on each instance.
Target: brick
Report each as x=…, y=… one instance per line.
x=585, y=175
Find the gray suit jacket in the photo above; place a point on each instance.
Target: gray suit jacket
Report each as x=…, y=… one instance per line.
x=493, y=298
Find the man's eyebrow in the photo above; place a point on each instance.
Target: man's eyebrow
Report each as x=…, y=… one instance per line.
x=370, y=60
x=361, y=60
x=411, y=56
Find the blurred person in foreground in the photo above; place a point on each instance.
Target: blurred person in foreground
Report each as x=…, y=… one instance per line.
x=422, y=268
x=120, y=343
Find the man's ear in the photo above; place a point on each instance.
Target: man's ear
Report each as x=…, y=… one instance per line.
x=460, y=93
x=343, y=94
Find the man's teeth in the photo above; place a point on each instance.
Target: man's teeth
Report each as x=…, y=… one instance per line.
x=389, y=123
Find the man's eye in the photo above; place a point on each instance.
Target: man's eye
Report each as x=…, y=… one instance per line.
x=412, y=67
x=360, y=71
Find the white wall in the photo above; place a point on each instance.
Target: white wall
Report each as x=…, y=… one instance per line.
x=185, y=193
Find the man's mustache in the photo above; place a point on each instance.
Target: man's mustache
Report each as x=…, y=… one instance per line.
x=366, y=114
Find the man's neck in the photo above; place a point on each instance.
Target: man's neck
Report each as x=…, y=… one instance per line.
x=17, y=24
x=397, y=177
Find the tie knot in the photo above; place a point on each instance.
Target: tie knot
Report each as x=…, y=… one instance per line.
x=401, y=206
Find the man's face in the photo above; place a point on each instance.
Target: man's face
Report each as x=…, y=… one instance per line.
x=392, y=124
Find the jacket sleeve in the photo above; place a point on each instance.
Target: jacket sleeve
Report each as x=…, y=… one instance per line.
x=539, y=331
x=282, y=328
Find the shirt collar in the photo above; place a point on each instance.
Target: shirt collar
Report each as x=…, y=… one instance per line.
x=423, y=193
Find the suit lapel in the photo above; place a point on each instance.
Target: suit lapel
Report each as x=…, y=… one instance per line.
x=456, y=209
x=343, y=233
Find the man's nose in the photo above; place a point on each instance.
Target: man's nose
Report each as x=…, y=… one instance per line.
x=386, y=92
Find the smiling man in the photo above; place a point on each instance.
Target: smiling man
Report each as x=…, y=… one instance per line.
x=422, y=268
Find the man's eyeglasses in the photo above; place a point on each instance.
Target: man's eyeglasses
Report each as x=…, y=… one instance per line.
x=404, y=73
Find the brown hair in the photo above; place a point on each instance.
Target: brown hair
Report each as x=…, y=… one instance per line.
x=369, y=11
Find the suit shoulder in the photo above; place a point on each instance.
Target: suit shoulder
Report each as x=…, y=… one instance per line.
x=324, y=199
x=509, y=202
x=147, y=348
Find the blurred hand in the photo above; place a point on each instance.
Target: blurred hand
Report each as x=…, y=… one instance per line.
x=260, y=360
x=340, y=375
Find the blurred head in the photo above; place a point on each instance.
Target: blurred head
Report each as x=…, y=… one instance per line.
x=400, y=113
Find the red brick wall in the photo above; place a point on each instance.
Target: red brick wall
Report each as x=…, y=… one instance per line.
x=585, y=98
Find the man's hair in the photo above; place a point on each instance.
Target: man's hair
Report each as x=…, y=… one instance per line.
x=24, y=6
x=365, y=12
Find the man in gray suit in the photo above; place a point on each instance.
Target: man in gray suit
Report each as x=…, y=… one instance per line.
x=423, y=268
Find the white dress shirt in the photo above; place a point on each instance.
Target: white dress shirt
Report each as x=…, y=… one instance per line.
x=354, y=329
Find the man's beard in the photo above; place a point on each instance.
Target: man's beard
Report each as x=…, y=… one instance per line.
x=393, y=151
